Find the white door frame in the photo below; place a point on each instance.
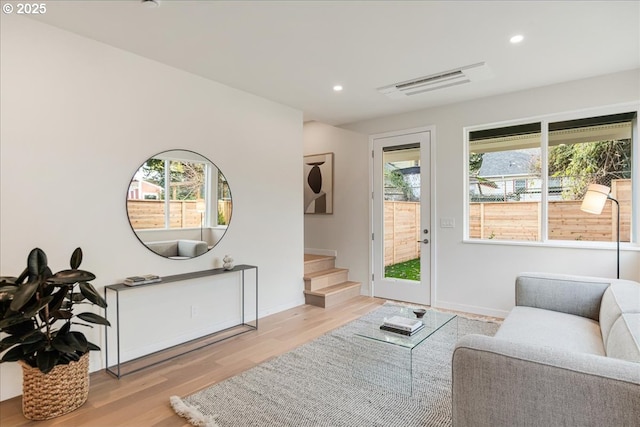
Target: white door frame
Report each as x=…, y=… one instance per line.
x=432, y=192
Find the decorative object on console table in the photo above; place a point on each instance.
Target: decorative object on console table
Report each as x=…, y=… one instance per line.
x=318, y=186
x=227, y=262
x=593, y=202
x=142, y=280
x=54, y=358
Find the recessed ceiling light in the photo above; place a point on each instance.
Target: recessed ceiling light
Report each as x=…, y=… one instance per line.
x=516, y=39
x=150, y=3
x=337, y=88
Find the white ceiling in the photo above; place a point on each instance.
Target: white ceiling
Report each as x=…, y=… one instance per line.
x=294, y=52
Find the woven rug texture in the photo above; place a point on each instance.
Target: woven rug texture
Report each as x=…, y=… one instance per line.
x=340, y=380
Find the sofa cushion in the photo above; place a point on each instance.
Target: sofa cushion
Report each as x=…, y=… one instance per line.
x=621, y=297
x=624, y=338
x=167, y=248
x=579, y=295
x=546, y=328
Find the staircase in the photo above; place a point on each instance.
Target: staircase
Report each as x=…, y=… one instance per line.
x=324, y=284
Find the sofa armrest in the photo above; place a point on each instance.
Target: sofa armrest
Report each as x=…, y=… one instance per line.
x=502, y=383
x=578, y=295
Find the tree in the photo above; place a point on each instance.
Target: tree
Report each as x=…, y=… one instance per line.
x=187, y=178
x=395, y=180
x=590, y=162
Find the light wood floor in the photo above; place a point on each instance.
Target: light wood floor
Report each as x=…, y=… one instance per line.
x=142, y=398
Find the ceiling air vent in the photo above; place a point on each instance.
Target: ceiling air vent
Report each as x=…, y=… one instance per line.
x=458, y=76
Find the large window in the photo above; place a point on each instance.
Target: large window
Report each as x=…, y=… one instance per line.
x=174, y=193
x=526, y=181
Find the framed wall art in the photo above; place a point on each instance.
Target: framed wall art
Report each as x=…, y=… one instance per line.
x=318, y=184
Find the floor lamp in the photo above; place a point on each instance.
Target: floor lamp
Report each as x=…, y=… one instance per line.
x=201, y=208
x=593, y=202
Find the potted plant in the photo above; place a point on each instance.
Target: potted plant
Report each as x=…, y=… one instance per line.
x=37, y=315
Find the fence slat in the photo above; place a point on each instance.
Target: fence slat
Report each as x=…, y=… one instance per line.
x=149, y=214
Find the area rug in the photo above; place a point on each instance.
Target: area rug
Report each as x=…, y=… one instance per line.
x=326, y=383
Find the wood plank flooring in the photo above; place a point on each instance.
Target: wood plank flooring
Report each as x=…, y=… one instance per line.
x=142, y=398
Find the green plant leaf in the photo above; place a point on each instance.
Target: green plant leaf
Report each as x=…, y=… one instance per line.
x=23, y=295
x=36, y=262
x=78, y=341
x=62, y=314
x=13, y=355
x=34, y=346
x=34, y=337
x=47, y=289
x=92, y=347
x=33, y=309
x=76, y=258
x=70, y=277
x=9, y=342
x=68, y=357
x=77, y=297
x=92, y=295
x=11, y=321
x=60, y=344
x=94, y=318
x=17, y=325
x=65, y=329
x=22, y=277
x=58, y=298
x=47, y=360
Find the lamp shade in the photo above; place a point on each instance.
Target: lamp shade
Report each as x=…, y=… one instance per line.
x=200, y=206
x=595, y=198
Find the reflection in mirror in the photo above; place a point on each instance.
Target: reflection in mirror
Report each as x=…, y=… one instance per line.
x=179, y=204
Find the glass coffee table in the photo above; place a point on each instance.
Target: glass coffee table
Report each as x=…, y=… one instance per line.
x=386, y=358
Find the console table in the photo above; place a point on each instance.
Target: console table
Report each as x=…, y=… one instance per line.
x=119, y=369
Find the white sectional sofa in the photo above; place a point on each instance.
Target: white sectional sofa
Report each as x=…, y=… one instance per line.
x=568, y=354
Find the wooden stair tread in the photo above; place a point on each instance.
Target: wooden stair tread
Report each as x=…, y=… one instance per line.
x=310, y=258
x=334, y=289
x=324, y=273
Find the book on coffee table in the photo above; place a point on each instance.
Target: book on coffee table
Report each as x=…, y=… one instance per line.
x=403, y=323
x=401, y=331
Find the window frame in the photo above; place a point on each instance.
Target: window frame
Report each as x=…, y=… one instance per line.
x=212, y=180
x=544, y=121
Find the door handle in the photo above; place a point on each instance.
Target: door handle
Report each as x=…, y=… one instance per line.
x=423, y=241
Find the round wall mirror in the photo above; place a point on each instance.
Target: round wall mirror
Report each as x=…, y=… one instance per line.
x=179, y=204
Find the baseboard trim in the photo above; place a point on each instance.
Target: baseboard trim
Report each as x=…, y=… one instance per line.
x=485, y=311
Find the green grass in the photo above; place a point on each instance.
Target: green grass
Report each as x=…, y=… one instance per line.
x=409, y=270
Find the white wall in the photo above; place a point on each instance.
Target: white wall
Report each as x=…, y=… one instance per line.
x=78, y=118
x=346, y=230
x=479, y=277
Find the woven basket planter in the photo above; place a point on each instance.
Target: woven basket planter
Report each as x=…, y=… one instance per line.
x=64, y=389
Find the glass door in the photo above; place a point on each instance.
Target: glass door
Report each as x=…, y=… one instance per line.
x=401, y=218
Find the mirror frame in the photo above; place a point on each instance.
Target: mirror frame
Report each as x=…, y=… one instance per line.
x=184, y=242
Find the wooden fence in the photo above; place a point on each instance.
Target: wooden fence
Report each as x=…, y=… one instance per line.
x=401, y=231
x=512, y=221
x=149, y=214
x=520, y=220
